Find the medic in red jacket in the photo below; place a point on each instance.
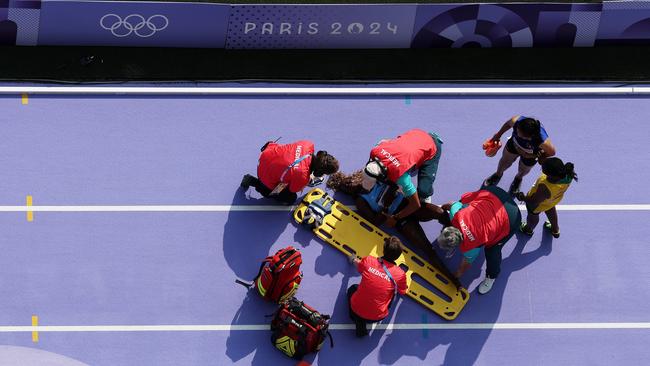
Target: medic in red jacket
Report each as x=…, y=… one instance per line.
x=486, y=218
x=286, y=169
x=393, y=162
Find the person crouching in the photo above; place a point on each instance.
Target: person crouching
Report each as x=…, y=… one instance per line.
x=381, y=280
x=285, y=170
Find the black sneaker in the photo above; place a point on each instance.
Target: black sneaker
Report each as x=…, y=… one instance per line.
x=362, y=330
x=514, y=186
x=247, y=181
x=493, y=180
x=525, y=229
x=549, y=227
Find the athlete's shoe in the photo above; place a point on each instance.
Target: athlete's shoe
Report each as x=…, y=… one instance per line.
x=361, y=330
x=547, y=226
x=514, y=186
x=486, y=285
x=493, y=180
x=525, y=229
x=247, y=181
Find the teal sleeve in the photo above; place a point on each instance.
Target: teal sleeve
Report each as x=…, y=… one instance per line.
x=455, y=207
x=406, y=184
x=471, y=254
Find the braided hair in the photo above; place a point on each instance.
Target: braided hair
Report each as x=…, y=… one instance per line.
x=554, y=167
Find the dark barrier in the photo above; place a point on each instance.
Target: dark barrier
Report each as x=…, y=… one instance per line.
x=252, y=26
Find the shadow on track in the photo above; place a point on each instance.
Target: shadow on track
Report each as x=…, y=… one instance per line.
x=464, y=346
x=247, y=239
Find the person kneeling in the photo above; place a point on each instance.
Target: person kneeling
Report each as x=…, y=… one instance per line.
x=285, y=170
x=381, y=280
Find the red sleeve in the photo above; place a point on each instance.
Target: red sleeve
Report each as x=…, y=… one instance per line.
x=298, y=177
x=402, y=287
x=468, y=197
x=363, y=265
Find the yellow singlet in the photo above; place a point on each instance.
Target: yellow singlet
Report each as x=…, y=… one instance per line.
x=557, y=192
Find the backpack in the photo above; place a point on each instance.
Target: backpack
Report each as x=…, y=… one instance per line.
x=279, y=276
x=298, y=329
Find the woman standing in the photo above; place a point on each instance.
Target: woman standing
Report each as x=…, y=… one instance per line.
x=546, y=193
x=529, y=142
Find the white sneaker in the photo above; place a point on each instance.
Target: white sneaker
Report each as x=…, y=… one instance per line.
x=486, y=285
x=426, y=200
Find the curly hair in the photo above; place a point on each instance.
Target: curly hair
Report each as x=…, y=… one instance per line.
x=349, y=184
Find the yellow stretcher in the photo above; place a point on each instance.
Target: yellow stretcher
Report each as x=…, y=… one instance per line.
x=353, y=235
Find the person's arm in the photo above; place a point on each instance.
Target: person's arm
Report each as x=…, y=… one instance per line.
x=402, y=287
x=413, y=205
x=546, y=150
x=297, y=180
x=359, y=264
x=506, y=126
x=464, y=265
x=536, y=198
x=468, y=197
x=411, y=194
x=468, y=258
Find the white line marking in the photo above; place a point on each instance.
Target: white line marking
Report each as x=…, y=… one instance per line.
x=285, y=91
x=146, y=208
x=228, y=208
x=255, y=327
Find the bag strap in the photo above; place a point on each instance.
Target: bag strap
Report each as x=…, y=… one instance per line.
x=391, y=279
x=250, y=284
x=295, y=162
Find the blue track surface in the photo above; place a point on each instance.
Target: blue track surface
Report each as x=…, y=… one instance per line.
x=177, y=268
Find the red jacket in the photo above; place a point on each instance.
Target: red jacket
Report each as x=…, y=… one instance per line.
x=483, y=222
x=410, y=149
x=277, y=158
x=372, y=298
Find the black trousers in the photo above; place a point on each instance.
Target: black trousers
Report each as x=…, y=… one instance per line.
x=493, y=253
x=285, y=196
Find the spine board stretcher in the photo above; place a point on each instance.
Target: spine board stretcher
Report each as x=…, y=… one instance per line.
x=353, y=235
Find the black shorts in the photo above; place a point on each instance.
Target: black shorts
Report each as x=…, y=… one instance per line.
x=510, y=146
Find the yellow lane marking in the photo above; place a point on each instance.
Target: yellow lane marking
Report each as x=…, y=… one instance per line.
x=25, y=99
x=34, y=332
x=30, y=214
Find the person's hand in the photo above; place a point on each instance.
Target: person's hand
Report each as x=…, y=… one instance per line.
x=353, y=259
x=446, y=206
x=390, y=220
x=456, y=282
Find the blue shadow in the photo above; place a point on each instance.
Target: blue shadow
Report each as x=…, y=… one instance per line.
x=465, y=346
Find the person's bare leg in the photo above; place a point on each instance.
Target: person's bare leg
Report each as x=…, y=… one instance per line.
x=507, y=159
x=413, y=232
x=427, y=212
x=531, y=221
x=552, y=218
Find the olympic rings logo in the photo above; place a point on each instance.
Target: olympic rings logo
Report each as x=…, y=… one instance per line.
x=134, y=24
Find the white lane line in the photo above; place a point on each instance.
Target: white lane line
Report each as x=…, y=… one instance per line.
x=256, y=327
x=228, y=208
x=166, y=90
